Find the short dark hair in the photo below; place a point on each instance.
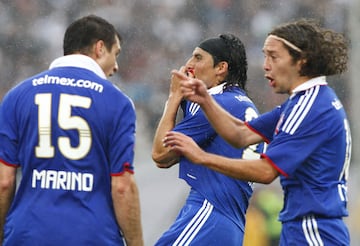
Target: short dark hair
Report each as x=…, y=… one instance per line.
x=86, y=31
x=325, y=51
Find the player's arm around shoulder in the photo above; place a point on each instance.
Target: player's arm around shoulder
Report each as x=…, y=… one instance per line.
x=126, y=201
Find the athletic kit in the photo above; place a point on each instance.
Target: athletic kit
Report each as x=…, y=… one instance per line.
x=310, y=145
x=214, y=212
x=69, y=129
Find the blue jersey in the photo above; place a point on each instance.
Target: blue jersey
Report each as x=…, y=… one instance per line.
x=228, y=195
x=310, y=146
x=69, y=129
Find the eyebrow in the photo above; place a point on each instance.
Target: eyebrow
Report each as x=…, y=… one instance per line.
x=197, y=54
x=269, y=51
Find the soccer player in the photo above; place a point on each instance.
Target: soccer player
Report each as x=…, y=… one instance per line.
x=308, y=135
x=214, y=212
x=71, y=131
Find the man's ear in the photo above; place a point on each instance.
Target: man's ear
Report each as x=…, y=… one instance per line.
x=99, y=48
x=222, y=67
x=301, y=63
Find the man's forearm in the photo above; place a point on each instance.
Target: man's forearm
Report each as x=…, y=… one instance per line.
x=161, y=154
x=232, y=129
x=7, y=191
x=128, y=214
x=223, y=122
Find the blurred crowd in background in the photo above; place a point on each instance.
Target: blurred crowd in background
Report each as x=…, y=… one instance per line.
x=160, y=35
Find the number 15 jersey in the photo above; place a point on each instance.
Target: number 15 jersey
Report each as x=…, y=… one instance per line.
x=69, y=129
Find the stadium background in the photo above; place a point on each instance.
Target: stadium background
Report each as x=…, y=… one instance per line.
x=159, y=35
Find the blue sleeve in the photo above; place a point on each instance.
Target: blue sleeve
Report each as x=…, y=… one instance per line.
x=265, y=124
x=122, y=139
x=8, y=136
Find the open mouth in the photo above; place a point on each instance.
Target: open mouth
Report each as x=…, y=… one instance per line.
x=190, y=72
x=271, y=81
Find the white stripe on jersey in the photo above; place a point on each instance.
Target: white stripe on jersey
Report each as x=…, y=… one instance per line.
x=311, y=232
x=342, y=188
x=300, y=110
x=193, y=108
x=190, y=231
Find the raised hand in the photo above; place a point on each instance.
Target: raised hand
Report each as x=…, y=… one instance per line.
x=175, y=82
x=192, y=89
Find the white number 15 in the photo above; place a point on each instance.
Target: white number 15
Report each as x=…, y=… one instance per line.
x=66, y=121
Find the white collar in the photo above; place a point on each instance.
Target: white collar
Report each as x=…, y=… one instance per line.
x=216, y=90
x=321, y=80
x=77, y=60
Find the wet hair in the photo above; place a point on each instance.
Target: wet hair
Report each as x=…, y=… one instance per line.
x=83, y=33
x=229, y=48
x=325, y=51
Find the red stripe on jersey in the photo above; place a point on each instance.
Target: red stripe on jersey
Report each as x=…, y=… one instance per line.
x=9, y=164
x=254, y=130
x=127, y=168
x=274, y=165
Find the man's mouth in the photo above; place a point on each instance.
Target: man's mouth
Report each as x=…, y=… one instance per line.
x=271, y=81
x=190, y=72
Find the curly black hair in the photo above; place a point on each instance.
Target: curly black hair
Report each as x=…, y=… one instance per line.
x=325, y=51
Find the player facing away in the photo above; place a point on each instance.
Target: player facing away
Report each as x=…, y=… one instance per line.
x=214, y=211
x=71, y=131
x=308, y=135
